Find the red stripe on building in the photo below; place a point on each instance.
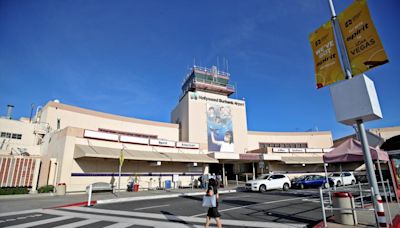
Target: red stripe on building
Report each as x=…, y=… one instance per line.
x=6, y=167
x=16, y=172
x=28, y=179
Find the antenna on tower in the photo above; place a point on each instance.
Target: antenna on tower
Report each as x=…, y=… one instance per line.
x=227, y=66
x=217, y=62
x=194, y=61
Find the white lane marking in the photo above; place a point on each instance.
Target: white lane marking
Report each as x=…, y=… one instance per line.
x=144, y=208
x=132, y=221
x=235, y=197
x=22, y=217
x=79, y=223
x=20, y=212
x=187, y=219
x=10, y=220
x=40, y=222
x=118, y=225
x=251, y=205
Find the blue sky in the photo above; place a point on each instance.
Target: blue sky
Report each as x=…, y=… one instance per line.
x=129, y=57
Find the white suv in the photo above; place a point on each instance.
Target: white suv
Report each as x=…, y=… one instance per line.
x=268, y=182
x=344, y=178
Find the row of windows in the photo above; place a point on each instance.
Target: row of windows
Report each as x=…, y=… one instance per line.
x=10, y=135
x=283, y=145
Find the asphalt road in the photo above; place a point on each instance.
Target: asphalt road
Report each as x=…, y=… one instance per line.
x=294, y=206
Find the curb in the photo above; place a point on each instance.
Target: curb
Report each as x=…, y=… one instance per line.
x=93, y=202
x=138, y=198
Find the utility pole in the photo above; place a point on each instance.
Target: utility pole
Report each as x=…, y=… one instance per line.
x=360, y=125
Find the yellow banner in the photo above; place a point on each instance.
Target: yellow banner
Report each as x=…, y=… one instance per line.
x=326, y=58
x=361, y=39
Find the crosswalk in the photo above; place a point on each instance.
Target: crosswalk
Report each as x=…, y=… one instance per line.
x=95, y=217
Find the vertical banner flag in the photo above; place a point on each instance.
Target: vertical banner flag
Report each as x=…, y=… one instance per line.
x=364, y=48
x=326, y=58
x=121, y=157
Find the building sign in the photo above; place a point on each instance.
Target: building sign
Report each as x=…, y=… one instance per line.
x=195, y=96
x=100, y=135
x=300, y=150
x=249, y=157
x=284, y=150
x=364, y=48
x=219, y=128
x=314, y=150
x=136, y=140
x=326, y=58
x=187, y=145
x=159, y=142
x=327, y=150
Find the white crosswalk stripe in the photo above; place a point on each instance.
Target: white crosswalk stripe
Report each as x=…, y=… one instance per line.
x=41, y=222
x=79, y=223
x=122, y=219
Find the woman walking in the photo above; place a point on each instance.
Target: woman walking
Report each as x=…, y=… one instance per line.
x=213, y=211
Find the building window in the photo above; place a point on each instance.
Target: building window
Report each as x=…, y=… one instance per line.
x=58, y=123
x=283, y=145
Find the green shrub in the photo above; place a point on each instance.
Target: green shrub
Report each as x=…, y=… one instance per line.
x=13, y=190
x=46, y=189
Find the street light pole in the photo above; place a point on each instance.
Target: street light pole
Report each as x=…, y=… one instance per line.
x=360, y=125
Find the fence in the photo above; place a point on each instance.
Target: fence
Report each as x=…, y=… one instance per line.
x=363, y=194
x=16, y=171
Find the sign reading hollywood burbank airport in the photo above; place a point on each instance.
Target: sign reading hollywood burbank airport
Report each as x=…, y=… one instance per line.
x=326, y=57
x=364, y=48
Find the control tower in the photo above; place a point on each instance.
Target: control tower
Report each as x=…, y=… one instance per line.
x=207, y=80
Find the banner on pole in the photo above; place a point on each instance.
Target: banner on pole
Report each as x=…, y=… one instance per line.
x=364, y=48
x=121, y=157
x=326, y=57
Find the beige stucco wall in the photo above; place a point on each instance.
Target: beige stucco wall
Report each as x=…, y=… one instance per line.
x=197, y=119
x=321, y=139
x=71, y=116
x=387, y=132
x=180, y=114
x=27, y=141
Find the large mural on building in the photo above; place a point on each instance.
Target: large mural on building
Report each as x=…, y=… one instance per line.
x=219, y=128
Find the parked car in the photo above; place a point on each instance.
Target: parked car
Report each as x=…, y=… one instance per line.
x=310, y=181
x=344, y=178
x=268, y=182
x=100, y=186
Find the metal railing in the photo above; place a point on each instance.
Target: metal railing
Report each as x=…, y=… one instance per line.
x=362, y=195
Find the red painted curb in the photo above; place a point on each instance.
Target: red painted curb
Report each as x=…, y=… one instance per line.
x=321, y=224
x=395, y=222
x=93, y=202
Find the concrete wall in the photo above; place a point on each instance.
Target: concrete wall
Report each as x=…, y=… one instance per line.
x=181, y=115
x=387, y=132
x=27, y=141
x=71, y=116
x=321, y=139
x=197, y=118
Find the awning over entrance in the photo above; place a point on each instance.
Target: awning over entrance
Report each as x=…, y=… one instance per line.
x=302, y=160
x=82, y=151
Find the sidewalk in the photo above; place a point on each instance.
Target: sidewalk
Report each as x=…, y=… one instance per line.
x=367, y=218
x=9, y=203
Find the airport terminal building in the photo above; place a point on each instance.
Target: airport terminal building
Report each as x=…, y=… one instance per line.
x=207, y=134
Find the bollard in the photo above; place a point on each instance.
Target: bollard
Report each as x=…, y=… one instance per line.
x=90, y=195
x=247, y=177
x=237, y=180
x=226, y=181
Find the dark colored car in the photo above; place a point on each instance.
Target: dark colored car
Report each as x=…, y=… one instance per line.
x=310, y=181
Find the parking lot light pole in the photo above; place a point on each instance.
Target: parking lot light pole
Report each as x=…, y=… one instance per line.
x=360, y=125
